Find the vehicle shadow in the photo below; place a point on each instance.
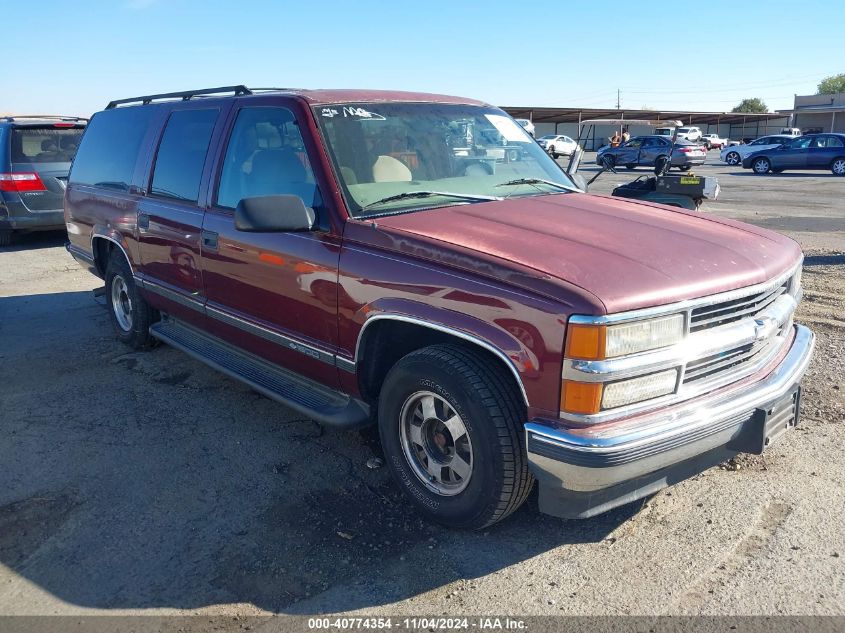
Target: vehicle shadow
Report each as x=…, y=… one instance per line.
x=140, y=480
x=819, y=173
x=824, y=260
x=36, y=240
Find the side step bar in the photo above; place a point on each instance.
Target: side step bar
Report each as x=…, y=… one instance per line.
x=319, y=403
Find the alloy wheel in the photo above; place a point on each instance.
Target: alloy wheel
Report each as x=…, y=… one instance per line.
x=121, y=303
x=761, y=166
x=436, y=443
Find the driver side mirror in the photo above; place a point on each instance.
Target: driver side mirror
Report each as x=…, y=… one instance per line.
x=273, y=214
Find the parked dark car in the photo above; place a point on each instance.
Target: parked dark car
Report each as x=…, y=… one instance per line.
x=35, y=156
x=812, y=151
x=341, y=251
x=645, y=150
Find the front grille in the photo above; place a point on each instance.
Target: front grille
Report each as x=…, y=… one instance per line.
x=716, y=314
x=712, y=367
x=709, y=366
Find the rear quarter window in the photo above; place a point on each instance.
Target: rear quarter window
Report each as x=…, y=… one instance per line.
x=44, y=144
x=109, y=149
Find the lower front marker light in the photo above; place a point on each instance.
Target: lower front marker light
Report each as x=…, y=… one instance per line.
x=638, y=389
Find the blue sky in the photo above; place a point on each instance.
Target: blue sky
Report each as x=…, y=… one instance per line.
x=72, y=58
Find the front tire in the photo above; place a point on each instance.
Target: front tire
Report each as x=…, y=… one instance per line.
x=450, y=423
x=733, y=158
x=761, y=166
x=130, y=314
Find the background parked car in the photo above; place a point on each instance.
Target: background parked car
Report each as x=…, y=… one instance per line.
x=664, y=131
x=528, y=125
x=644, y=150
x=688, y=134
x=791, y=131
x=35, y=156
x=813, y=151
x=558, y=145
x=713, y=141
x=733, y=155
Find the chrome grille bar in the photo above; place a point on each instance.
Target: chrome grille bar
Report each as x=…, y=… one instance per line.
x=720, y=313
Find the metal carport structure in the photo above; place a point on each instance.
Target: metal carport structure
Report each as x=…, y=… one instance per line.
x=738, y=124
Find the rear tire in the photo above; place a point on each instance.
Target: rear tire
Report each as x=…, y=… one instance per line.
x=131, y=316
x=837, y=167
x=5, y=238
x=450, y=423
x=733, y=158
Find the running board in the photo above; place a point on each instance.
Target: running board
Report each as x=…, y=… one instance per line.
x=318, y=402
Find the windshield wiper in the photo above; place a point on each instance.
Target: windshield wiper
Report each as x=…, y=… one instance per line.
x=409, y=195
x=537, y=181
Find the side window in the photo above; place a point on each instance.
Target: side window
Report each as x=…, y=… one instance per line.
x=266, y=156
x=181, y=154
x=109, y=148
x=830, y=141
x=634, y=142
x=801, y=143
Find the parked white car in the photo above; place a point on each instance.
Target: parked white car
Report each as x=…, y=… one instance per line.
x=558, y=145
x=734, y=154
x=714, y=141
x=688, y=133
x=791, y=131
x=528, y=125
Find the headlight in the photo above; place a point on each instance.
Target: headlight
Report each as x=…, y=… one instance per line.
x=597, y=342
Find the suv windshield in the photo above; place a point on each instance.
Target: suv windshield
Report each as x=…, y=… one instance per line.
x=394, y=157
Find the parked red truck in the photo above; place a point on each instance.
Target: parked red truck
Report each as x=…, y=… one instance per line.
x=361, y=257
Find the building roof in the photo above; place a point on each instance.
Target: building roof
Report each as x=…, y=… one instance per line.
x=573, y=115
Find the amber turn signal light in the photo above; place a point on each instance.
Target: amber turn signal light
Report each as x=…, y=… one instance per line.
x=586, y=342
x=580, y=397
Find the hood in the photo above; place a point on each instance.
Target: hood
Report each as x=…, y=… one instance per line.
x=627, y=254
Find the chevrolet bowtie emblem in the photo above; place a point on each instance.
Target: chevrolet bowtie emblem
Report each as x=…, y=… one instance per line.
x=761, y=329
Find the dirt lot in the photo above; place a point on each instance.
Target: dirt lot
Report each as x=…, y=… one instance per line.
x=148, y=483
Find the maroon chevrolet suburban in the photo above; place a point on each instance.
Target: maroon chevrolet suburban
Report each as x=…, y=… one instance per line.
x=417, y=261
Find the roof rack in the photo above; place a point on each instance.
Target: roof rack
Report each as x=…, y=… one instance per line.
x=238, y=91
x=15, y=117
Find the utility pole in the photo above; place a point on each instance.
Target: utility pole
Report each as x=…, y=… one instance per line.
x=618, y=99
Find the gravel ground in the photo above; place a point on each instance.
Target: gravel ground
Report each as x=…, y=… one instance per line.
x=148, y=483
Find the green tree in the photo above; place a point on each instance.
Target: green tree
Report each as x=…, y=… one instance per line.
x=754, y=106
x=832, y=85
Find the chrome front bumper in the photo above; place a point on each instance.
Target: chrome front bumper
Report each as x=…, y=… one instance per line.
x=586, y=471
